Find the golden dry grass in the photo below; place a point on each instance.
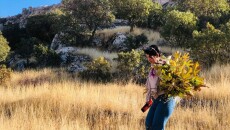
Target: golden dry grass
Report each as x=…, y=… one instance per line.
x=54, y=100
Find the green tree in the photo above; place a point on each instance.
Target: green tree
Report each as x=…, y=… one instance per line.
x=46, y=57
x=25, y=47
x=70, y=30
x=13, y=34
x=43, y=27
x=211, y=45
x=156, y=16
x=4, y=48
x=91, y=13
x=178, y=28
x=206, y=10
x=212, y=8
x=133, y=10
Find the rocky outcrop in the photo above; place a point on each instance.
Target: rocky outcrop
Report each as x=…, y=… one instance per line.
x=17, y=63
x=21, y=19
x=118, y=42
x=56, y=42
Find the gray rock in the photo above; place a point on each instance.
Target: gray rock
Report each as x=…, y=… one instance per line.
x=56, y=42
x=118, y=42
x=97, y=42
x=76, y=67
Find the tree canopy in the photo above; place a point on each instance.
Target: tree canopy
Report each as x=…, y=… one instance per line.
x=178, y=27
x=89, y=13
x=4, y=48
x=211, y=45
x=213, y=8
x=132, y=10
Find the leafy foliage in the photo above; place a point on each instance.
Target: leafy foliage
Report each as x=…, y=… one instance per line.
x=213, y=8
x=25, y=47
x=179, y=27
x=13, y=34
x=43, y=27
x=91, y=13
x=211, y=45
x=46, y=57
x=132, y=65
x=132, y=10
x=180, y=78
x=133, y=42
x=206, y=10
x=156, y=17
x=98, y=70
x=4, y=48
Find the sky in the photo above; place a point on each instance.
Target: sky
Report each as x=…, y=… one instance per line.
x=14, y=7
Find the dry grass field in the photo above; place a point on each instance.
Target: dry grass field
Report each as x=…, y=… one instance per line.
x=51, y=99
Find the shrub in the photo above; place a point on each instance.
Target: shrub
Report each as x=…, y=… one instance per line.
x=98, y=71
x=132, y=65
x=45, y=56
x=211, y=45
x=133, y=42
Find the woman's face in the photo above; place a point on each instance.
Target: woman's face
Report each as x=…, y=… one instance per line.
x=152, y=59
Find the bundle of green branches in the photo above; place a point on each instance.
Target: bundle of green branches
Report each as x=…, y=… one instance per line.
x=180, y=77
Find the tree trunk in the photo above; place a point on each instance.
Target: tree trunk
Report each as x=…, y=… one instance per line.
x=132, y=27
x=92, y=35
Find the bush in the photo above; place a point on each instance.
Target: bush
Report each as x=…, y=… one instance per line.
x=133, y=42
x=98, y=71
x=132, y=65
x=45, y=56
x=211, y=45
x=178, y=28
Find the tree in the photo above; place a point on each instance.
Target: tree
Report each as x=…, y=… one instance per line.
x=4, y=48
x=178, y=28
x=132, y=10
x=90, y=13
x=212, y=8
x=156, y=16
x=205, y=10
x=25, y=47
x=42, y=26
x=13, y=34
x=211, y=45
x=46, y=57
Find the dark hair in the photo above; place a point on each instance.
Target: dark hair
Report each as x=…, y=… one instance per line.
x=152, y=50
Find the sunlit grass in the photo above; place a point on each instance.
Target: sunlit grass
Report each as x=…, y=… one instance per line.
x=62, y=101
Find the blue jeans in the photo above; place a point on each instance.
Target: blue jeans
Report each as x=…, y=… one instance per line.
x=159, y=113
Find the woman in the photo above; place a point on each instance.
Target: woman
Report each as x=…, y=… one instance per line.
x=162, y=108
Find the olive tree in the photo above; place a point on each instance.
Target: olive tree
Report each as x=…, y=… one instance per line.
x=178, y=28
x=89, y=13
x=211, y=45
x=132, y=10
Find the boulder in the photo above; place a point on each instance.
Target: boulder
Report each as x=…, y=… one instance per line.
x=118, y=42
x=56, y=42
